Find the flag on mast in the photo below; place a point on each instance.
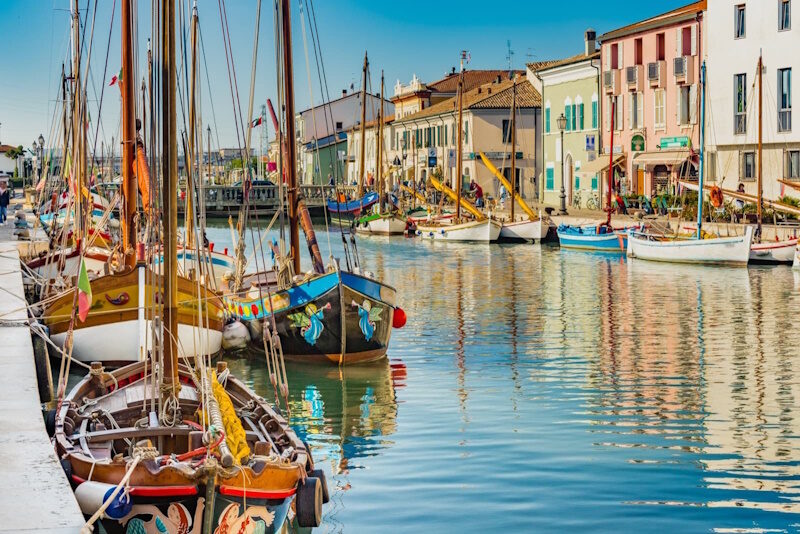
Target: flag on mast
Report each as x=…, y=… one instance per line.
x=116, y=78
x=84, y=292
x=256, y=122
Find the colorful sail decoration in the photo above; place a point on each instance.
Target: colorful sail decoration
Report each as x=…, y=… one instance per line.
x=84, y=292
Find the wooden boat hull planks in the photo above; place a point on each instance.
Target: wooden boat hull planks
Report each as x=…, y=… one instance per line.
x=381, y=225
x=587, y=238
x=333, y=318
x=485, y=231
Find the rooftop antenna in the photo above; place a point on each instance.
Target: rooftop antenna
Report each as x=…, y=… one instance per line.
x=510, y=58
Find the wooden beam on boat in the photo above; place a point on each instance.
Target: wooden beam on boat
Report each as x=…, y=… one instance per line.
x=793, y=185
x=522, y=204
x=414, y=192
x=466, y=204
x=775, y=205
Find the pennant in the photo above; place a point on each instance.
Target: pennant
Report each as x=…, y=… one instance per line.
x=84, y=292
x=256, y=122
x=116, y=78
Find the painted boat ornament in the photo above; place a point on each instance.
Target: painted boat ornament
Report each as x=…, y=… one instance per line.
x=368, y=316
x=310, y=322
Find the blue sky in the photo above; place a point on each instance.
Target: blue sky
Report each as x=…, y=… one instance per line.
x=403, y=38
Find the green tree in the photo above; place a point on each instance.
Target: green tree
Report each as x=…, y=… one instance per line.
x=14, y=153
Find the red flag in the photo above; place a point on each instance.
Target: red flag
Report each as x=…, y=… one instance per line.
x=116, y=78
x=256, y=122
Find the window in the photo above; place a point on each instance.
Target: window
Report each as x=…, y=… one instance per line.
x=659, y=111
x=568, y=115
x=594, y=111
x=784, y=100
x=580, y=116
x=594, y=183
x=784, y=15
x=615, y=63
x=577, y=184
x=661, y=47
x=617, y=118
x=547, y=118
x=637, y=52
x=740, y=103
x=506, y=131
x=636, y=111
x=466, y=133
x=791, y=170
x=686, y=41
x=711, y=166
x=338, y=125
x=739, y=22
x=549, y=177
x=684, y=105
x=574, y=118
x=747, y=169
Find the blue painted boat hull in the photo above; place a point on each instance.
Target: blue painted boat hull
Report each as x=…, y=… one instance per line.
x=353, y=206
x=587, y=238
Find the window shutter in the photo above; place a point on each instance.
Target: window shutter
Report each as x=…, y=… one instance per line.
x=580, y=121
x=574, y=117
x=693, y=104
x=567, y=114
x=630, y=112
x=678, y=42
x=619, y=55
x=678, y=108
x=546, y=120
x=594, y=114
x=694, y=40
x=640, y=115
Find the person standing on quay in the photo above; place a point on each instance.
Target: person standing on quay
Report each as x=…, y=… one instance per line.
x=5, y=199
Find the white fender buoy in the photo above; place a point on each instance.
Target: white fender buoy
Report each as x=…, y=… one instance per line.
x=91, y=496
x=235, y=336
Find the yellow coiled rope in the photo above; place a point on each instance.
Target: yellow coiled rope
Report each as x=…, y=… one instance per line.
x=235, y=436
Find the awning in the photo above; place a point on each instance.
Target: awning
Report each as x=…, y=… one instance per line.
x=661, y=157
x=598, y=165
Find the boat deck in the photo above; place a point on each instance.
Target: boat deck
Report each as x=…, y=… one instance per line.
x=35, y=495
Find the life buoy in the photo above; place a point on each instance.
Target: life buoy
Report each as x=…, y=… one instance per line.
x=716, y=196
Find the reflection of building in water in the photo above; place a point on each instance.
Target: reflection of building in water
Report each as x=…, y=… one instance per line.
x=345, y=413
x=751, y=398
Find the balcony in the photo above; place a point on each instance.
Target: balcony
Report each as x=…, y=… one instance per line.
x=611, y=82
x=684, y=70
x=655, y=73
x=634, y=76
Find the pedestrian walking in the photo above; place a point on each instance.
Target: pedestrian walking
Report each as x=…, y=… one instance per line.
x=5, y=199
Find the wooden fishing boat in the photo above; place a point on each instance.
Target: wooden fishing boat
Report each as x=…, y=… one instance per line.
x=600, y=238
x=381, y=224
x=734, y=251
x=336, y=317
x=120, y=317
x=533, y=231
x=796, y=261
x=773, y=252
x=231, y=462
x=484, y=231
x=67, y=261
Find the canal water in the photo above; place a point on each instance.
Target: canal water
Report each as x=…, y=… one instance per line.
x=535, y=389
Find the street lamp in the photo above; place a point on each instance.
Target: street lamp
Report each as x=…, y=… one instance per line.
x=562, y=125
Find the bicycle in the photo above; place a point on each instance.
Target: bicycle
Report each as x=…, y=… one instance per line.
x=593, y=202
x=576, y=199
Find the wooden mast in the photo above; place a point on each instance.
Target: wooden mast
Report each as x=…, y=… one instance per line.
x=459, y=148
x=760, y=146
x=129, y=185
x=362, y=155
x=379, y=153
x=169, y=190
x=76, y=123
x=189, y=211
x=513, y=146
x=291, y=143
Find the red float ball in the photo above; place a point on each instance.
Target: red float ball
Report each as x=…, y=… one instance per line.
x=399, y=319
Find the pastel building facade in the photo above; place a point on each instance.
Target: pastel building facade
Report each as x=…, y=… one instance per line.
x=738, y=31
x=651, y=78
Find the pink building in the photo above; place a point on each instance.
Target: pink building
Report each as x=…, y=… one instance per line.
x=651, y=72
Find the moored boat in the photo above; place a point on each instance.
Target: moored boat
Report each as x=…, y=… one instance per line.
x=484, y=231
x=734, y=251
x=524, y=230
x=599, y=238
x=773, y=251
x=381, y=224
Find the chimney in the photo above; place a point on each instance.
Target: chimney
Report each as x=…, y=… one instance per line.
x=453, y=71
x=344, y=92
x=590, y=38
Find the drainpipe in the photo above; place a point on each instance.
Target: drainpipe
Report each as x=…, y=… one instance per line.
x=599, y=70
x=538, y=173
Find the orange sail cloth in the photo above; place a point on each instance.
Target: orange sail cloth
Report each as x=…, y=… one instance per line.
x=142, y=172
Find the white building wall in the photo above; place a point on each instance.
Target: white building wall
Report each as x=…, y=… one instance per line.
x=728, y=56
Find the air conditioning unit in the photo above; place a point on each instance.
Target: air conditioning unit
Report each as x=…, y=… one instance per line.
x=634, y=76
x=654, y=71
x=630, y=75
x=683, y=70
x=611, y=82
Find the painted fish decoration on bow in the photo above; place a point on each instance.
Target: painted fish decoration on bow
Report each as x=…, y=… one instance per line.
x=310, y=322
x=368, y=316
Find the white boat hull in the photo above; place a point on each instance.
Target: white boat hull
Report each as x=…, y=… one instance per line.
x=525, y=230
x=715, y=251
x=119, y=342
x=95, y=260
x=383, y=226
x=774, y=252
x=796, y=262
x=475, y=231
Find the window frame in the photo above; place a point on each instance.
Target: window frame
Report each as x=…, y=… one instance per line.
x=736, y=112
x=506, y=131
x=685, y=93
x=786, y=165
x=743, y=169
x=739, y=8
x=787, y=18
x=786, y=124
x=663, y=107
x=550, y=177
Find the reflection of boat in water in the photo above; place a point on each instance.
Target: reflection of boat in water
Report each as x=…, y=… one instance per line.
x=345, y=413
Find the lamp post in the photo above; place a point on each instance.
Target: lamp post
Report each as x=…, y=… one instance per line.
x=562, y=125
